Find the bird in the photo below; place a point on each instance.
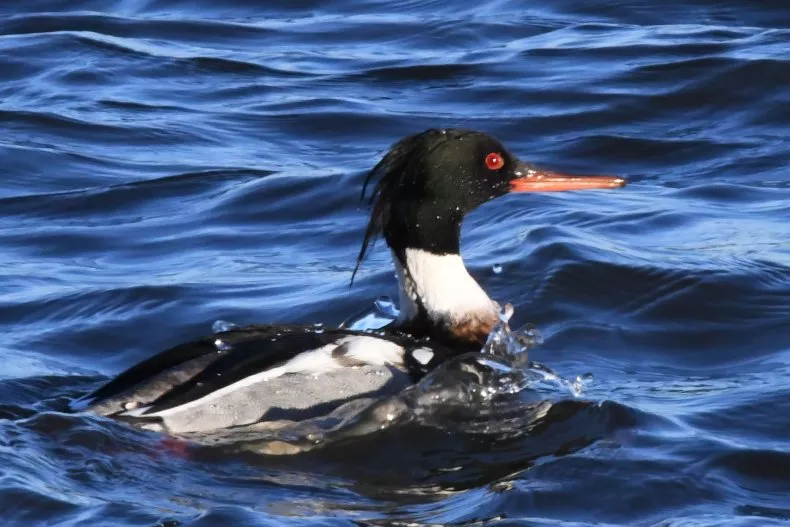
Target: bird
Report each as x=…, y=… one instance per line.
x=421, y=190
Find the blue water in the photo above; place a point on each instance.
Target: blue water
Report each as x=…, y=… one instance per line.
x=167, y=163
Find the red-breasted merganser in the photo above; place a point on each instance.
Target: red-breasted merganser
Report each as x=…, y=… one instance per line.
x=425, y=185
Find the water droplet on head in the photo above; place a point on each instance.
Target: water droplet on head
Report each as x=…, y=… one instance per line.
x=497, y=268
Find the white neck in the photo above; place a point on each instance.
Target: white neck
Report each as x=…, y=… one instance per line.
x=443, y=285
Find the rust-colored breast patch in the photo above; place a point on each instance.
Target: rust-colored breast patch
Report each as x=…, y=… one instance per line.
x=474, y=328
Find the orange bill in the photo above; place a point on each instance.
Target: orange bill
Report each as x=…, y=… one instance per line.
x=544, y=181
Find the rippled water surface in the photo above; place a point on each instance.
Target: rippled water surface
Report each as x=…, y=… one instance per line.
x=167, y=163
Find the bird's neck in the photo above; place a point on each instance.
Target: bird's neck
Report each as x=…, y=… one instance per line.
x=437, y=293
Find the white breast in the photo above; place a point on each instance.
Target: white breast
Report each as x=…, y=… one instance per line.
x=443, y=285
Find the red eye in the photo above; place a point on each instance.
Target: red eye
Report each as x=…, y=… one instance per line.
x=494, y=161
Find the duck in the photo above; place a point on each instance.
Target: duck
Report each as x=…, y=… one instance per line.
x=421, y=190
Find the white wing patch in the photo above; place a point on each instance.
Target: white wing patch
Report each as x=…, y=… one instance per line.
x=372, y=350
x=422, y=355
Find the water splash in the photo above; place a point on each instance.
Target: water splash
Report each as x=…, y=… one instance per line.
x=383, y=312
x=501, y=368
x=220, y=326
x=543, y=376
x=385, y=306
x=510, y=348
x=502, y=342
x=221, y=345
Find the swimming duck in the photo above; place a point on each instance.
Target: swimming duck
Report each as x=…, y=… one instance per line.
x=423, y=187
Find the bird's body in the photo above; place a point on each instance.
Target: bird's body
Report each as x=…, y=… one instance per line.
x=425, y=185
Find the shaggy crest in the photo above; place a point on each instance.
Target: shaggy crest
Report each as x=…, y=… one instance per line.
x=398, y=172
